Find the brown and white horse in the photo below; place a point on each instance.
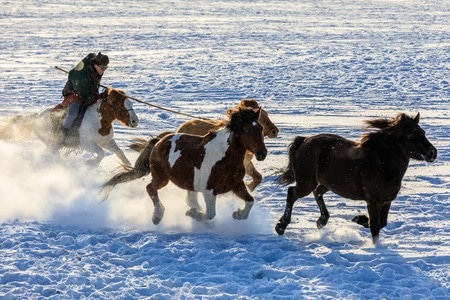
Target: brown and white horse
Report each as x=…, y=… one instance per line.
x=96, y=130
x=202, y=127
x=211, y=164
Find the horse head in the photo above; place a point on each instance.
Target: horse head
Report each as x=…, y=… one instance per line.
x=410, y=135
x=244, y=123
x=416, y=145
x=119, y=107
x=269, y=129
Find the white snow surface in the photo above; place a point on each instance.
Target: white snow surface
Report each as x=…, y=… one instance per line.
x=315, y=66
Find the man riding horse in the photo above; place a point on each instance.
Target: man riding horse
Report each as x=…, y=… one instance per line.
x=81, y=91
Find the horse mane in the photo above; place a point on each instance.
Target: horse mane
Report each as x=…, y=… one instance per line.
x=240, y=117
x=385, y=126
x=116, y=92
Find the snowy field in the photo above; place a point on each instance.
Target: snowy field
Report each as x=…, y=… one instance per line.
x=315, y=66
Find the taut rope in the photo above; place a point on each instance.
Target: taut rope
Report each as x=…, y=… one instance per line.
x=150, y=104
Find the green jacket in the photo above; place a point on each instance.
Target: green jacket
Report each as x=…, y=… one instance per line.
x=84, y=81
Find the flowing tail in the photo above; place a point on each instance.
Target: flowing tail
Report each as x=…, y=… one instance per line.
x=140, y=143
x=287, y=175
x=140, y=169
x=18, y=127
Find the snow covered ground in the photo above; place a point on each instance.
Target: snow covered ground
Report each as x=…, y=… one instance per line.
x=315, y=66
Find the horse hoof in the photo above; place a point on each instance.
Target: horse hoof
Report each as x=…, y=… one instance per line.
x=375, y=239
x=280, y=229
x=321, y=222
x=362, y=220
x=158, y=215
x=238, y=215
x=191, y=213
x=319, y=225
x=156, y=221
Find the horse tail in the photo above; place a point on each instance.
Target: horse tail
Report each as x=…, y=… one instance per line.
x=140, y=169
x=18, y=127
x=140, y=143
x=287, y=175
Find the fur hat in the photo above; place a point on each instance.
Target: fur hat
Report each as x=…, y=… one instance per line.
x=100, y=59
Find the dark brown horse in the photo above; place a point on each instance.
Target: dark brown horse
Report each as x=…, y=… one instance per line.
x=371, y=169
x=211, y=164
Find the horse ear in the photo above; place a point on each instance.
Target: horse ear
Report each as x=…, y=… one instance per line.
x=417, y=118
x=403, y=117
x=258, y=111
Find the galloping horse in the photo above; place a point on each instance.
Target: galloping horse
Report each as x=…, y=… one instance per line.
x=202, y=127
x=211, y=164
x=96, y=130
x=371, y=169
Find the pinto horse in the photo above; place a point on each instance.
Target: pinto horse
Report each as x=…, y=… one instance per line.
x=95, y=133
x=371, y=169
x=211, y=164
x=202, y=127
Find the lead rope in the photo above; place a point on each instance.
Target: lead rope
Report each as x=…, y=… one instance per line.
x=153, y=105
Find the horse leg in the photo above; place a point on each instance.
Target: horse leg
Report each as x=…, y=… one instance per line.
x=293, y=193
x=210, y=204
x=159, y=180
x=241, y=192
x=324, y=215
x=112, y=146
x=384, y=214
x=98, y=152
x=251, y=171
x=374, y=220
x=192, y=200
x=364, y=220
x=158, y=212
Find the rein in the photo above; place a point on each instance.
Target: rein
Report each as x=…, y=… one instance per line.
x=150, y=104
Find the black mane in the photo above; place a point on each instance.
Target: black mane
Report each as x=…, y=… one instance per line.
x=371, y=170
x=385, y=126
x=240, y=117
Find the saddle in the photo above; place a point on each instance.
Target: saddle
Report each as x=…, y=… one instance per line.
x=70, y=137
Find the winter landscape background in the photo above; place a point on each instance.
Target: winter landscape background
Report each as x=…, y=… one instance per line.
x=315, y=66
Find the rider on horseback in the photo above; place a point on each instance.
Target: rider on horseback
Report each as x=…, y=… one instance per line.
x=81, y=91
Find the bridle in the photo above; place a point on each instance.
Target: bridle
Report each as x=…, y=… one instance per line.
x=114, y=108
